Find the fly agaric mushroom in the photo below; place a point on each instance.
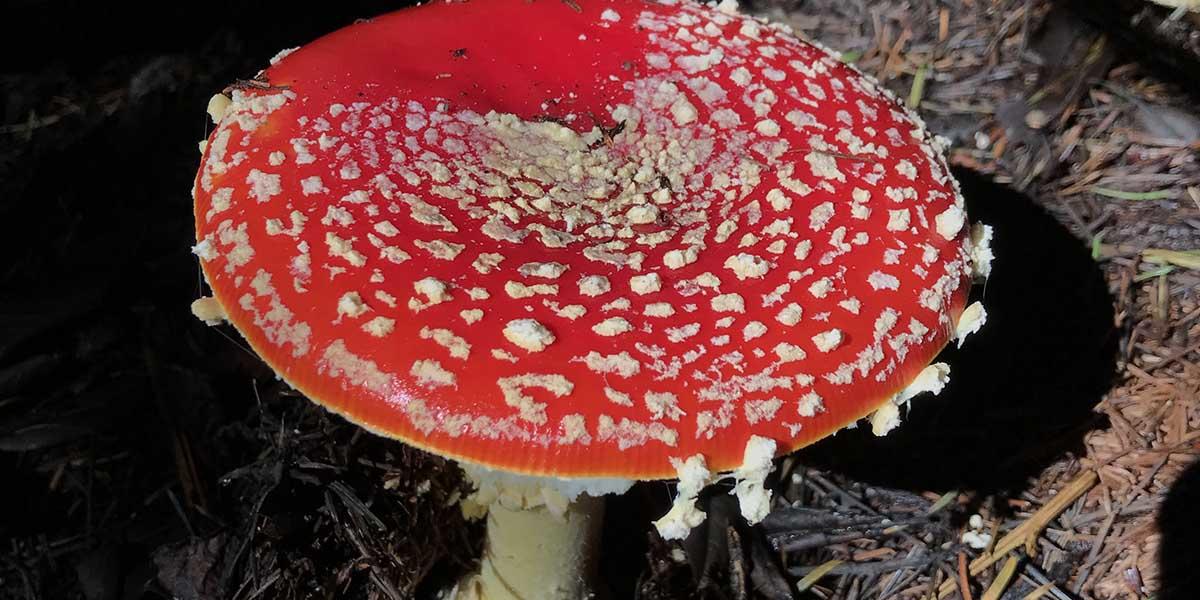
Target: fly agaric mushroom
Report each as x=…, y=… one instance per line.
x=643, y=241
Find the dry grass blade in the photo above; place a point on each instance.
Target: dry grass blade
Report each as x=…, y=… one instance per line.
x=1000, y=583
x=1039, y=592
x=1052, y=509
x=815, y=575
x=917, y=92
x=943, y=501
x=1124, y=195
x=1026, y=533
x=1189, y=259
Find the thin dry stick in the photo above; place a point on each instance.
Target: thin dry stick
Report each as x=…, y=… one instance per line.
x=1027, y=533
x=1056, y=506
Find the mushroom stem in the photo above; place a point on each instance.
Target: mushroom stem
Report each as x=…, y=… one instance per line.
x=537, y=553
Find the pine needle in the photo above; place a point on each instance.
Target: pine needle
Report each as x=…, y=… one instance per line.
x=1124, y=195
x=918, y=86
x=1163, y=270
x=1189, y=259
x=815, y=575
x=1002, y=580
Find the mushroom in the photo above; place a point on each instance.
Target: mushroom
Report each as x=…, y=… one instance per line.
x=657, y=240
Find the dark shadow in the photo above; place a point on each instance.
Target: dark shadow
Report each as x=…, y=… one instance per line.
x=1179, y=522
x=1146, y=33
x=625, y=543
x=1022, y=389
x=107, y=383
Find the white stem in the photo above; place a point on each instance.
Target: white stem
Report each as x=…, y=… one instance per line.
x=532, y=554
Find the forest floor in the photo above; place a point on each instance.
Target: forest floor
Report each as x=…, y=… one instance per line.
x=146, y=455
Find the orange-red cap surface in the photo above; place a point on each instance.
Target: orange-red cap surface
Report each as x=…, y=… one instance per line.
x=581, y=240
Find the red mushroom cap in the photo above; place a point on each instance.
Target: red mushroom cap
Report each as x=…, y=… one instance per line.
x=579, y=240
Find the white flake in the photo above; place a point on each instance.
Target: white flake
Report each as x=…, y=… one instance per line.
x=645, y=284
x=826, y=341
x=754, y=498
x=594, y=285
x=790, y=314
x=528, y=334
x=612, y=326
x=693, y=475
x=747, y=266
x=971, y=319
x=728, y=303
x=950, y=222
x=883, y=281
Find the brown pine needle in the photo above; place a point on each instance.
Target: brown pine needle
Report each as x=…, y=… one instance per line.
x=964, y=583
